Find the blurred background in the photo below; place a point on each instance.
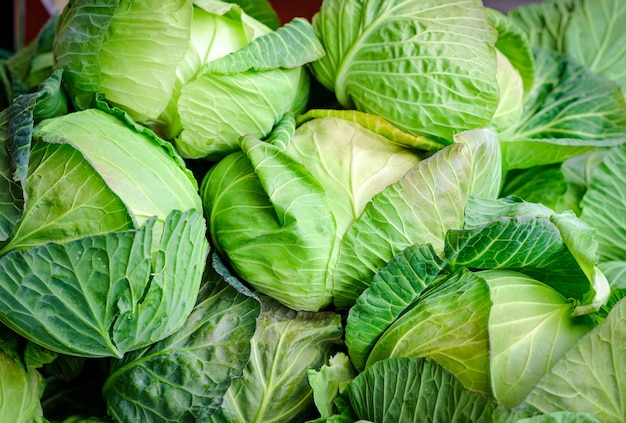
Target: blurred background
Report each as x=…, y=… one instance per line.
x=21, y=23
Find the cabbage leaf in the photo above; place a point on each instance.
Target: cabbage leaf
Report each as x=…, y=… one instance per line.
x=420, y=208
x=589, y=378
x=185, y=376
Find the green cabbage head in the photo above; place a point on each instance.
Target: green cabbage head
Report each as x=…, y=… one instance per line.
x=310, y=214
x=108, y=248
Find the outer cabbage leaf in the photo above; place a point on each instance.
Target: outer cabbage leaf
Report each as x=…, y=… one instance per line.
x=184, y=377
x=559, y=186
x=391, y=291
x=46, y=102
x=24, y=69
x=587, y=31
x=595, y=38
x=102, y=173
x=80, y=33
x=42, y=63
x=604, y=207
x=36, y=356
x=447, y=323
x=615, y=272
x=561, y=417
x=290, y=46
x=530, y=327
x=212, y=132
x=81, y=419
x=11, y=84
x=144, y=171
x=428, y=68
x=568, y=112
x=11, y=195
x=589, y=378
x=19, y=392
x=419, y=390
x=579, y=170
x=64, y=191
x=418, y=209
x=540, y=184
x=274, y=386
x=108, y=294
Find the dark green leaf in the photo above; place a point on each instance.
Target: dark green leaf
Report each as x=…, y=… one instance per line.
x=561, y=417
x=417, y=390
x=546, y=22
x=107, y=294
x=595, y=38
x=11, y=195
x=184, y=377
x=569, y=111
x=557, y=249
x=28, y=109
x=604, y=205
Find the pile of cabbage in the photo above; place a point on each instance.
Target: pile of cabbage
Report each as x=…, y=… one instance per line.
x=395, y=211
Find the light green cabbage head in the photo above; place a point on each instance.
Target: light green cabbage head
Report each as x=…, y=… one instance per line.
x=309, y=216
x=105, y=239
x=188, y=69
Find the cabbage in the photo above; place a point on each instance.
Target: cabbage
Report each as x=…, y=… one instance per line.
x=189, y=70
x=104, y=245
x=309, y=218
